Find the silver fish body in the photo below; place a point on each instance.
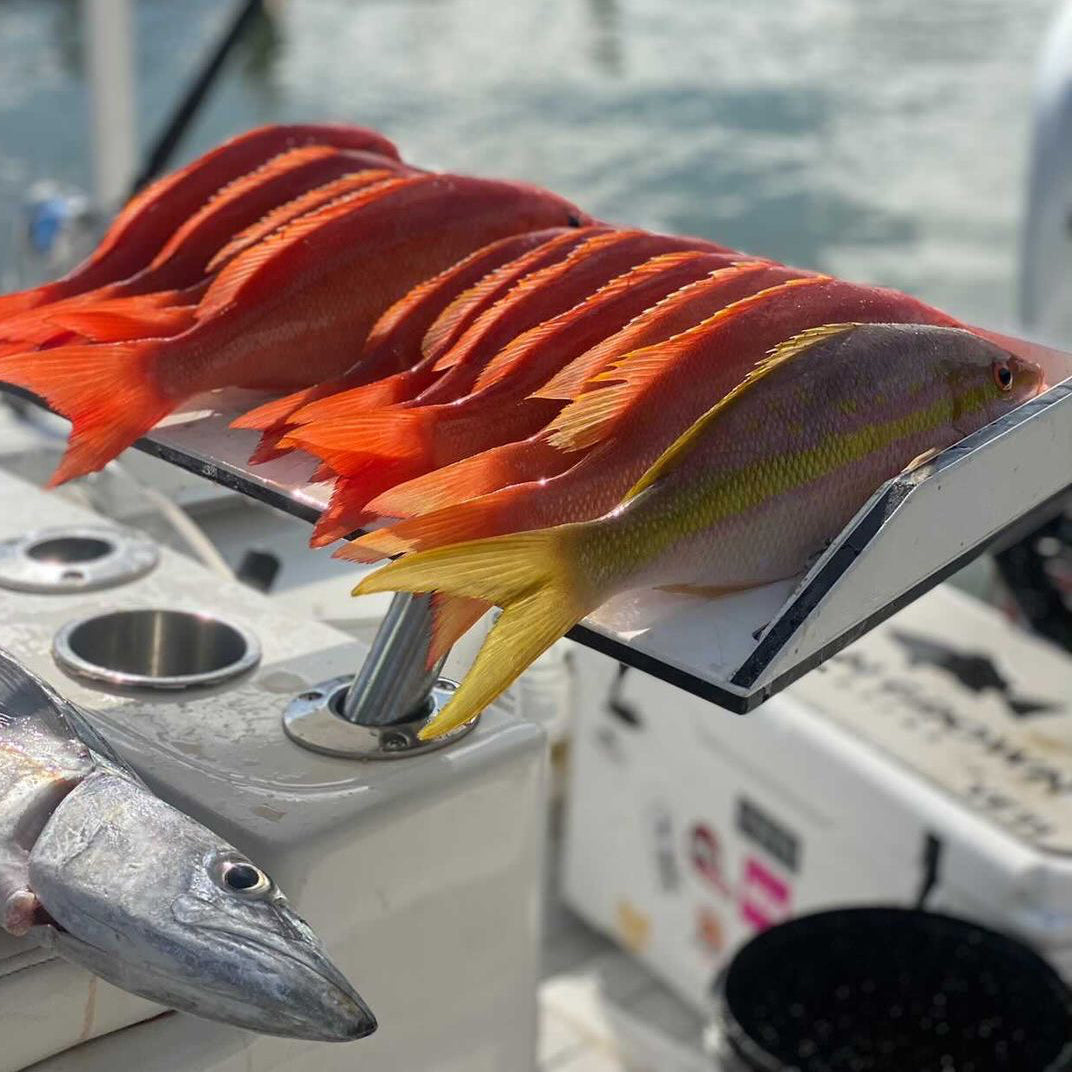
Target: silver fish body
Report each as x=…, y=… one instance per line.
x=97, y=868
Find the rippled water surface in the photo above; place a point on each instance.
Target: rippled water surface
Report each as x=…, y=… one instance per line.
x=884, y=140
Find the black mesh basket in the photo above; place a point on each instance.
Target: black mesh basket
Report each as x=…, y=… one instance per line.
x=890, y=990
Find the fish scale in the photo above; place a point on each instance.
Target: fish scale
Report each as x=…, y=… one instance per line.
x=462, y=313
x=402, y=442
x=393, y=345
x=497, y=469
x=182, y=265
x=497, y=409
x=548, y=293
x=450, y=325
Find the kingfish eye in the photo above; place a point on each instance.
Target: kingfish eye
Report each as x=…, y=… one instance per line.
x=573, y=220
x=242, y=877
x=1002, y=375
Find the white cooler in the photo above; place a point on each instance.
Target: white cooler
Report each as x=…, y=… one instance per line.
x=935, y=754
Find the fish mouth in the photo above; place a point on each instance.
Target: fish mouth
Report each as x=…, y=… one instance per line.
x=1030, y=372
x=338, y=1015
x=345, y=1017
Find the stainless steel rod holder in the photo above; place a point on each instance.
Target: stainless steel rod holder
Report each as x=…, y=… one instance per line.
x=379, y=713
x=395, y=680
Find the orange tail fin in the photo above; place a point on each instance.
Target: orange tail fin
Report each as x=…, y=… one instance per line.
x=106, y=392
x=346, y=512
x=55, y=338
x=322, y=474
x=125, y=318
x=377, y=395
x=387, y=434
x=452, y=618
x=43, y=324
x=268, y=448
x=336, y=524
x=331, y=401
x=28, y=324
x=21, y=300
x=511, y=463
x=275, y=413
x=473, y=520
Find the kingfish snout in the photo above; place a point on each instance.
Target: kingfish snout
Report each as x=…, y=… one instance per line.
x=340, y=1015
x=327, y=1005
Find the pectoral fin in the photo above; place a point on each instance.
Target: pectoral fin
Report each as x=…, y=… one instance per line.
x=919, y=468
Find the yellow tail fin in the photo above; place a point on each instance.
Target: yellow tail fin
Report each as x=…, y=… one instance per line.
x=530, y=575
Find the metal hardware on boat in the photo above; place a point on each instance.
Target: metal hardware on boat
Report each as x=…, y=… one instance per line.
x=155, y=648
x=314, y=720
x=378, y=713
x=74, y=559
x=395, y=678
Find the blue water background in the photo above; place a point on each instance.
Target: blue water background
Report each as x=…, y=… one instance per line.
x=884, y=140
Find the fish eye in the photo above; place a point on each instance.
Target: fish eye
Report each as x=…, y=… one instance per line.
x=1002, y=375
x=242, y=877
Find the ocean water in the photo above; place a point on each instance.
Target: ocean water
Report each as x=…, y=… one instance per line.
x=884, y=140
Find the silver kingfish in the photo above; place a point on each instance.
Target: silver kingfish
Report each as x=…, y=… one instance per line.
x=97, y=868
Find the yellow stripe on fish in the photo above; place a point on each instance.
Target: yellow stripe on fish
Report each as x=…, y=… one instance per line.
x=780, y=354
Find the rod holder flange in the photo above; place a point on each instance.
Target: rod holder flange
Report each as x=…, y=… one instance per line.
x=313, y=720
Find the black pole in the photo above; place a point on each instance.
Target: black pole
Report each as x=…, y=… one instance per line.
x=247, y=12
x=1024, y=569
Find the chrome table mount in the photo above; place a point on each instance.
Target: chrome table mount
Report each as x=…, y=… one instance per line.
x=78, y=558
x=378, y=713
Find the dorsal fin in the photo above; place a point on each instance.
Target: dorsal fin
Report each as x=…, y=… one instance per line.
x=339, y=135
x=442, y=331
x=570, y=381
x=448, y=283
x=228, y=285
x=390, y=319
x=277, y=165
x=590, y=417
x=125, y=318
x=504, y=361
x=789, y=349
x=463, y=310
x=521, y=290
x=298, y=206
x=369, y=396
x=148, y=194
x=783, y=353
